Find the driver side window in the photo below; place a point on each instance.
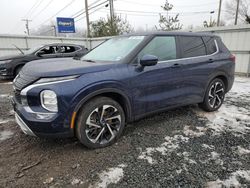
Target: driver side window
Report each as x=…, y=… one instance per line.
x=163, y=47
x=49, y=50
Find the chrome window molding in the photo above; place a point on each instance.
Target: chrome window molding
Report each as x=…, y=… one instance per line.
x=187, y=58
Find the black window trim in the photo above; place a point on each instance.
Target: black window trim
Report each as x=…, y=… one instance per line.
x=206, y=44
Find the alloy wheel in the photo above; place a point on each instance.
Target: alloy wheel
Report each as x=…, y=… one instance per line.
x=103, y=124
x=216, y=95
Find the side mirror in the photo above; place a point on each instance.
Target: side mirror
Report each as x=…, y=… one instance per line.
x=77, y=56
x=148, y=60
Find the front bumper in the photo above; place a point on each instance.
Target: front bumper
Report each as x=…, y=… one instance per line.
x=23, y=125
x=49, y=128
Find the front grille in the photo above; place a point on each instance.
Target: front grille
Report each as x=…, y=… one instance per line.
x=22, y=80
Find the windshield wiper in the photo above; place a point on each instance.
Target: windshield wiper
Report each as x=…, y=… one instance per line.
x=18, y=49
x=89, y=60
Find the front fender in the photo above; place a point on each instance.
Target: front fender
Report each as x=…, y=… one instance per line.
x=99, y=88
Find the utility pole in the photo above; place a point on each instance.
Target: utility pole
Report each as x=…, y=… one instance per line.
x=54, y=28
x=87, y=17
x=111, y=8
x=219, y=12
x=27, y=25
x=237, y=12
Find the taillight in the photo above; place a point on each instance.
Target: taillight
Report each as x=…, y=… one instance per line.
x=232, y=58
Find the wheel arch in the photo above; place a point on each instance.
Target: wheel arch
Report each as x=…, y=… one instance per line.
x=220, y=75
x=112, y=93
x=224, y=79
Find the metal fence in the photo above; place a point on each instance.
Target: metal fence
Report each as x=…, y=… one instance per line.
x=236, y=38
x=8, y=42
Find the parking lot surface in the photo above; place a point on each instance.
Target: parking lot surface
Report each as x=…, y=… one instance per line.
x=183, y=147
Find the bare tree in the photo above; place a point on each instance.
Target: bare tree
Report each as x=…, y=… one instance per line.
x=167, y=22
x=106, y=27
x=213, y=23
x=244, y=10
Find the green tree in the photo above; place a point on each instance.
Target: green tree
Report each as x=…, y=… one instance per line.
x=167, y=23
x=105, y=27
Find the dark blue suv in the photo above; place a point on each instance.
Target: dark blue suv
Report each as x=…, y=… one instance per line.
x=123, y=79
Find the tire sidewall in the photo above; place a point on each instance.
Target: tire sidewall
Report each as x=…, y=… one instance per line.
x=84, y=114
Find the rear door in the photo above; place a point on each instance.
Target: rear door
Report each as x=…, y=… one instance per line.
x=197, y=64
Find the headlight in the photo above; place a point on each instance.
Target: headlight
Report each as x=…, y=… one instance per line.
x=49, y=100
x=56, y=79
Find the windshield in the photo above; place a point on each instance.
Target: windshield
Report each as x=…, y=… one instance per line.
x=114, y=49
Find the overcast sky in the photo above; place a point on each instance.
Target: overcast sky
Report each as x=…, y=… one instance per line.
x=192, y=12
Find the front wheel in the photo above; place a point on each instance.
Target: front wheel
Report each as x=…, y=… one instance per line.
x=100, y=122
x=214, y=96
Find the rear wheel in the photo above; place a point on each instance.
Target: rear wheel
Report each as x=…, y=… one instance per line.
x=100, y=122
x=214, y=96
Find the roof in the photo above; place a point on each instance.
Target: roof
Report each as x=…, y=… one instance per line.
x=61, y=44
x=173, y=33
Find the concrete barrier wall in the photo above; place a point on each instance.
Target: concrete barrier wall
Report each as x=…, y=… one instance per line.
x=7, y=42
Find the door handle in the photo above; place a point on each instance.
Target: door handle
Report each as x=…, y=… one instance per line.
x=210, y=61
x=176, y=65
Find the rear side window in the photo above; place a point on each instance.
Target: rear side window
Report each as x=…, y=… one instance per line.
x=163, y=47
x=67, y=49
x=210, y=44
x=192, y=46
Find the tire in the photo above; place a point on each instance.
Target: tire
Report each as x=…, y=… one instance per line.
x=96, y=132
x=18, y=69
x=214, y=96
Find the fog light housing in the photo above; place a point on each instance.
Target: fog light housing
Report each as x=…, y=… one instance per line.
x=49, y=100
x=42, y=116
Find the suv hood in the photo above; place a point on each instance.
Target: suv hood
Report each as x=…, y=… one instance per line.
x=63, y=67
